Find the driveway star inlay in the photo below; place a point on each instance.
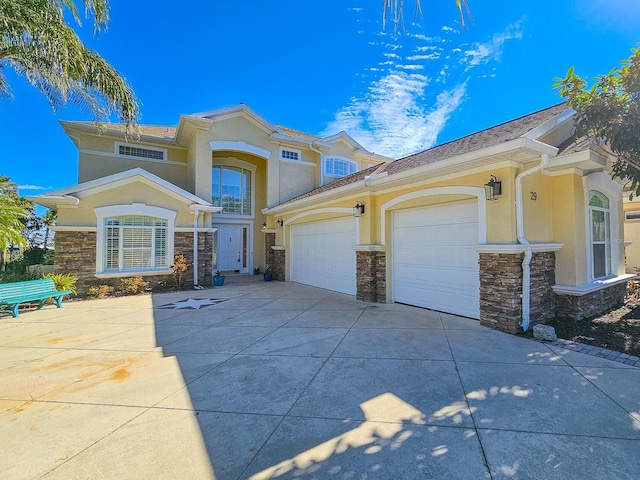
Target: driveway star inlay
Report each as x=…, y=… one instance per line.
x=195, y=303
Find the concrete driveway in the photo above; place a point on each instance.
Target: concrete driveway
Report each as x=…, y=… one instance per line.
x=278, y=380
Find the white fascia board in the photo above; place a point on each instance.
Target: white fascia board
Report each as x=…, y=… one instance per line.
x=513, y=248
x=126, y=177
x=589, y=158
x=54, y=201
x=117, y=134
x=555, y=121
x=204, y=208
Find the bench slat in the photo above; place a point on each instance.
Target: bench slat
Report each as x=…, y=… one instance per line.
x=13, y=294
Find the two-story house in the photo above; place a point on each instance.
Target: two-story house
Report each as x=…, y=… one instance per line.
x=511, y=225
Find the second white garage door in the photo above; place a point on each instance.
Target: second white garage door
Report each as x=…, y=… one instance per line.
x=322, y=254
x=435, y=264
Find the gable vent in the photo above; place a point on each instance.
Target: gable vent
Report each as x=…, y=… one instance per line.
x=140, y=152
x=289, y=154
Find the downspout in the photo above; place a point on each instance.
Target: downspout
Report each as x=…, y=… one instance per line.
x=313, y=149
x=528, y=254
x=196, y=214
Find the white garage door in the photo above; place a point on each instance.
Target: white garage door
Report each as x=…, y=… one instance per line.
x=435, y=264
x=322, y=254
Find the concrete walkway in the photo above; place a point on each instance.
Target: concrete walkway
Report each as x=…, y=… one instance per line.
x=281, y=380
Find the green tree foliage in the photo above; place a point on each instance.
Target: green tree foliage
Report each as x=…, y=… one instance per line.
x=13, y=210
x=37, y=42
x=609, y=111
x=395, y=8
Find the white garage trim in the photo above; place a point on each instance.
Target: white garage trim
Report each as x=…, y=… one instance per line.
x=319, y=211
x=322, y=255
x=428, y=192
x=434, y=257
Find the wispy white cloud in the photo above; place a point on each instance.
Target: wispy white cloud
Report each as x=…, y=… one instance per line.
x=412, y=97
x=446, y=28
x=33, y=187
x=410, y=67
x=427, y=48
x=482, y=53
x=430, y=56
x=355, y=9
x=392, y=120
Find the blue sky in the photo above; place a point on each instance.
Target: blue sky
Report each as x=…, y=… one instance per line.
x=323, y=67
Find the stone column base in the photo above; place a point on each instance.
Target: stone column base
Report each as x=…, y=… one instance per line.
x=590, y=305
x=371, y=281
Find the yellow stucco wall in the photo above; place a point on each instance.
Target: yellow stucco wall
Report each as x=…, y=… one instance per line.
x=97, y=159
x=136, y=192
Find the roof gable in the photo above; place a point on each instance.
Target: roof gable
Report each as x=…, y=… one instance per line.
x=110, y=182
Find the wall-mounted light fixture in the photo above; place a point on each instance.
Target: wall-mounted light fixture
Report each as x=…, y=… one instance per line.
x=493, y=188
x=264, y=226
x=279, y=223
x=358, y=210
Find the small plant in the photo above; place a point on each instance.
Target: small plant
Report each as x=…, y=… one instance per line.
x=133, y=285
x=99, y=291
x=256, y=271
x=218, y=274
x=179, y=268
x=63, y=281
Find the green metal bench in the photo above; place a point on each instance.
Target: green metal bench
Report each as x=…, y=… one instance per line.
x=13, y=294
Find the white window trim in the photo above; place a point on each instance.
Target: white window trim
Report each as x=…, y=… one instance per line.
x=234, y=162
x=607, y=238
x=337, y=157
x=117, y=145
x=133, y=209
x=294, y=150
x=603, y=183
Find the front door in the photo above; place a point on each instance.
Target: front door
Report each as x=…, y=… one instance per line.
x=232, y=248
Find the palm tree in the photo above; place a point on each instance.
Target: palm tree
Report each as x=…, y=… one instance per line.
x=396, y=8
x=12, y=211
x=48, y=220
x=37, y=42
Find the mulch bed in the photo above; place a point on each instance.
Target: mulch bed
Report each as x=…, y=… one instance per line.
x=618, y=330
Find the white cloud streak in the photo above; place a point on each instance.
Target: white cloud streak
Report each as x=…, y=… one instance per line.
x=404, y=110
x=391, y=121
x=482, y=53
x=33, y=187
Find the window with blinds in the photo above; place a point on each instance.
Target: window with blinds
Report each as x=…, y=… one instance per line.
x=135, y=242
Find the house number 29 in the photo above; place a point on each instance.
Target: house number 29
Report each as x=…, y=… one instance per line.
x=534, y=196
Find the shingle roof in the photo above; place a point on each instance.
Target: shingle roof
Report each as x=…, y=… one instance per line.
x=158, y=131
x=489, y=137
x=496, y=135
x=297, y=133
x=574, y=145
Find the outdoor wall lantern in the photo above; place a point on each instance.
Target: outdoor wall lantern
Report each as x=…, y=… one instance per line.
x=279, y=223
x=358, y=210
x=264, y=226
x=493, y=189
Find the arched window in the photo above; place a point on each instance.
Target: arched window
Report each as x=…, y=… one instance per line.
x=600, y=231
x=231, y=189
x=338, y=167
